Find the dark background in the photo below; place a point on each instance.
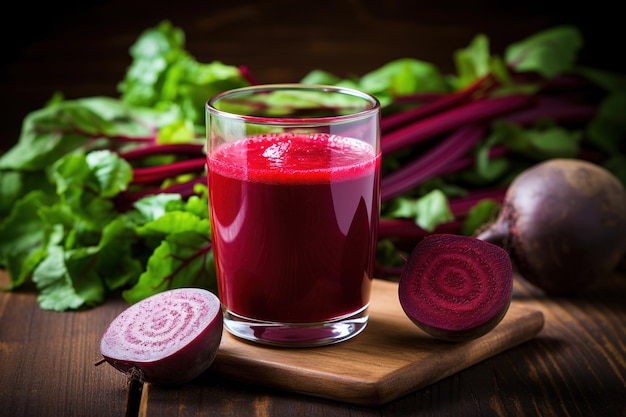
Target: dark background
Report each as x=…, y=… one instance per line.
x=81, y=47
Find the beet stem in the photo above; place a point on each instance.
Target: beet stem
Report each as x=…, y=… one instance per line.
x=161, y=172
x=555, y=109
x=461, y=206
x=186, y=149
x=476, y=111
x=124, y=201
x=444, y=102
x=247, y=74
x=431, y=162
x=469, y=160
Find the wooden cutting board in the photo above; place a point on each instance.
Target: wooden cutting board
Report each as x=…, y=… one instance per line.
x=391, y=358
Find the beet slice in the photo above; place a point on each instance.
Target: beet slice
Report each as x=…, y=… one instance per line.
x=455, y=287
x=166, y=339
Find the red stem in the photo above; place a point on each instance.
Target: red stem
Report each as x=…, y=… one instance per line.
x=247, y=74
x=562, y=83
x=187, y=149
x=555, y=109
x=432, y=162
x=161, y=172
x=470, y=160
x=125, y=200
x=460, y=206
x=440, y=104
x=408, y=229
x=185, y=189
x=418, y=98
x=438, y=124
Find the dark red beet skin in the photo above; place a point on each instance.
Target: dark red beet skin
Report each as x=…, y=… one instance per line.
x=563, y=222
x=166, y=339
x=456, y=287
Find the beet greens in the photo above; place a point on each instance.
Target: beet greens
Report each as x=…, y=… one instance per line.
x=103, y=194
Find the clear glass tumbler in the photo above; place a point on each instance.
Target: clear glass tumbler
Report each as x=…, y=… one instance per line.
x=294, y=197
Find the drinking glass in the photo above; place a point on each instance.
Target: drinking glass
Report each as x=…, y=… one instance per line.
x=294, y=197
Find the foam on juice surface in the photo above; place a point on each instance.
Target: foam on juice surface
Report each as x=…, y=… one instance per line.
x=291, y=156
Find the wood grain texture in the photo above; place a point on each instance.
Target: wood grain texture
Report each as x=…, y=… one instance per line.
x=391, y=358
x=575, y=366
x=47, y=360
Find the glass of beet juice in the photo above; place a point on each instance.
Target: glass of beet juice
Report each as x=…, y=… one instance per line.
x=294, y=197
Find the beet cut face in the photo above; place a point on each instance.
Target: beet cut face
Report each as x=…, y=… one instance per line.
x=456, y=287
x=166, y=339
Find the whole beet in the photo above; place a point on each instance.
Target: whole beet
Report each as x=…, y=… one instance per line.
x=563, y=222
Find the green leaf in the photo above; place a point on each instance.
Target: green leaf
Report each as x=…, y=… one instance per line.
x=483, y=212
x=319, y=76
x=173, y=222
x=183, y=259
x=15, y=185
x=472, y=62
x=86, y=184
x=402, y=77
x=540, y=142
x=554, y=142
x=163, y=74
x=70, y=278
x=152, y=207
x=56, y=290
x=44, y=139
x=428, y=211
x=113, y=174
x=71, y=174
x=179, y=231
x=116, y=265
x=608, y=80
x=549, y=52
x=199, y=204
x=84, y=277
x=180, y=131
x=608, y=129
x=52, y=132
x=152, y=53
x=22, y=234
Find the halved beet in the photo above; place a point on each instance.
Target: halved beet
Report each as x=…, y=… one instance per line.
x=456, y=287
x=166, y=339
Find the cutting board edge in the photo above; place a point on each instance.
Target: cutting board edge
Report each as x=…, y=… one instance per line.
x=267, y=367
x=532, y=327
x=386, y=389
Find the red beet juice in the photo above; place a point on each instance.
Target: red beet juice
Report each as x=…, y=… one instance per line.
x=294, y=228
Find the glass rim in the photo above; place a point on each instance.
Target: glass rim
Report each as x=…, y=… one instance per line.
x=270, y=120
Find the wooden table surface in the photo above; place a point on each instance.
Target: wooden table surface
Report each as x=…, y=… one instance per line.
x=576, y=366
